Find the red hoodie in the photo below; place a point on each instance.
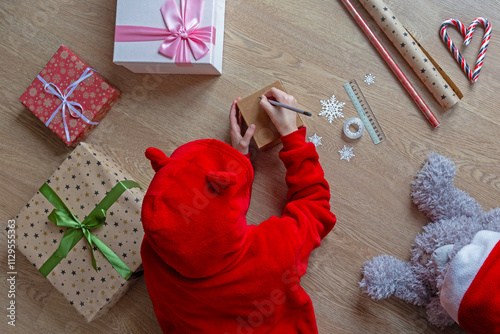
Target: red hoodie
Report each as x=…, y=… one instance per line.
x=206, y=270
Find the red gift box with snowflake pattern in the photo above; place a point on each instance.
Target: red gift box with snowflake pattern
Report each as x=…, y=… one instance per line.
x=69, y=96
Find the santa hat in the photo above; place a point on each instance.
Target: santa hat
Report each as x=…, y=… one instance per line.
x=471, y=287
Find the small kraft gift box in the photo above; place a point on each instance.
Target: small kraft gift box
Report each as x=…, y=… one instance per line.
x=82, y=231
x=69, y=96
x=266, y=135
x=171, y=37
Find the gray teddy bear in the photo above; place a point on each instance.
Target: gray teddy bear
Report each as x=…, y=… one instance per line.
x=456, y=218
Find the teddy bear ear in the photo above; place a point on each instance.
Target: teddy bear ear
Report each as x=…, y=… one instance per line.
x=157, y=157
x=222, y=179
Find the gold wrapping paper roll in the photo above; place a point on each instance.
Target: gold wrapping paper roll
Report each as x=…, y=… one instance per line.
x=438, y=83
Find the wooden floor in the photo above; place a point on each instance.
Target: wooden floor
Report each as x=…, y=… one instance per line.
x=314, y=47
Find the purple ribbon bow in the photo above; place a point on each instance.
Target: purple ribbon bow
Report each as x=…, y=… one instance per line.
x=73, y=107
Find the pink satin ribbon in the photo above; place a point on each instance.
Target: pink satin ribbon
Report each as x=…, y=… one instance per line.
x=182, y=32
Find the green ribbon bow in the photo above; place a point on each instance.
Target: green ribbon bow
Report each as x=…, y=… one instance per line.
x=62, y=216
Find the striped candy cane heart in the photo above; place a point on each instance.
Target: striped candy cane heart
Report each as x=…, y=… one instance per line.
x=467, y=33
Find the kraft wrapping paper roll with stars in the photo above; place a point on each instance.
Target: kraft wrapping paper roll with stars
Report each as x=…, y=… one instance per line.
x=81, y=182
x=438, y=83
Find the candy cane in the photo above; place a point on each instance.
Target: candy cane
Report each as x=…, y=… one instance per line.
x=484, y=44
x=467, y=33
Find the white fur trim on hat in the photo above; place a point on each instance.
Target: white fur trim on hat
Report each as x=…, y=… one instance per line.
x=463, y=270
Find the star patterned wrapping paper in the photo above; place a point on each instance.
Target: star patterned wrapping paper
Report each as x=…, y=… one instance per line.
x=439, y=84
x=82, y=181
x=94, y=94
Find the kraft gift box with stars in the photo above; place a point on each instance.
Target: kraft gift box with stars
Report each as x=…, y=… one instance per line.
x=81, y=183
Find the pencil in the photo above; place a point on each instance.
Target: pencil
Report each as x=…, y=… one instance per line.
x=392, y=64
x=276, y=103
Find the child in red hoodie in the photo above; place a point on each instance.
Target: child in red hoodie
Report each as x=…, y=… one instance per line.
x=206, y=270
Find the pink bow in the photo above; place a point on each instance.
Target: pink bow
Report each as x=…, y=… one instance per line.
x=181, y=35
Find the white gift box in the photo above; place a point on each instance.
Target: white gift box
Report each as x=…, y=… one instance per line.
x=143, y=56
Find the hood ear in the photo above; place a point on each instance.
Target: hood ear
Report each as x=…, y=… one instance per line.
x=157, y=157
x=222, y=179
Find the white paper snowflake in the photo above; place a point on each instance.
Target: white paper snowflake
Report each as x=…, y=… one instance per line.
x=346, y=153
x=369, y=79
x=332, y=109
x=316, y=140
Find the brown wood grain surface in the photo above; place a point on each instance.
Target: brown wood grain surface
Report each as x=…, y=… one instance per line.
x=313, y=47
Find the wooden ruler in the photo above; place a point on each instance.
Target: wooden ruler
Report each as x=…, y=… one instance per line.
x=364, y=111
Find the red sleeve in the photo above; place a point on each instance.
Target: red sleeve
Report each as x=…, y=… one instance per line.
x=307, y=216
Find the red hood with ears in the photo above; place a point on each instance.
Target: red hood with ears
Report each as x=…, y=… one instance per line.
x=194, y=210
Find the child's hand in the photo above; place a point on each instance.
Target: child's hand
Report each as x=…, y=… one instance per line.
x=241, y=143
x=285, y=120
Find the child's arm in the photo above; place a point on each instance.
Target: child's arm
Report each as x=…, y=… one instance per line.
x=307, y=217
